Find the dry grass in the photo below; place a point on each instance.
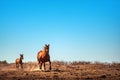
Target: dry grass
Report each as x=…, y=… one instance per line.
x=62, y=71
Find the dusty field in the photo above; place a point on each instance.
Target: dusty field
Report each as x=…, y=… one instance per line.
x=62, y=71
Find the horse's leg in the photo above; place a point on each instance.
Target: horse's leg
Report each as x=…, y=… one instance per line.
x=40, y=65
x=44, y=66
x=50, y=65
x=16, y=65
x=22, y=66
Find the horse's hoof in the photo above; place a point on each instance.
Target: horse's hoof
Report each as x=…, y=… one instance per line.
x=40, y=70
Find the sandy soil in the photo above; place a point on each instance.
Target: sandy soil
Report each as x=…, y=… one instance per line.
x=61, y=71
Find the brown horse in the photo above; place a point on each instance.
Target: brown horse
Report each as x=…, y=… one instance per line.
x=18, y=61
x=43, y=56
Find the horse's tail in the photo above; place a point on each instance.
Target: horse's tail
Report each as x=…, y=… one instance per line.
x=38, y=57
x=16, y=61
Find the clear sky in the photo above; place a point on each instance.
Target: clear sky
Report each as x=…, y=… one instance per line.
x=82, y=30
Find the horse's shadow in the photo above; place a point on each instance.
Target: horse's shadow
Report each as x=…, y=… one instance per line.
x=55, y=70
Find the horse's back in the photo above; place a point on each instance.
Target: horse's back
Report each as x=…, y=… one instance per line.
x=43, y=56
x=39, y=55
x=17, y=60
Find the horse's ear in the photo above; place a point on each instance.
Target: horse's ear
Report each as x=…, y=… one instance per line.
x=48, y=44
x=45, y=44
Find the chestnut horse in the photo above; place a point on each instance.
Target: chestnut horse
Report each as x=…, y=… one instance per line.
x=19, y=61
x=43, y=56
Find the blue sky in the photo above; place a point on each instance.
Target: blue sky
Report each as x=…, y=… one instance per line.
x=83, y=30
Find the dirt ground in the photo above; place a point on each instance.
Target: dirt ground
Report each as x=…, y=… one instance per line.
x=62, y=71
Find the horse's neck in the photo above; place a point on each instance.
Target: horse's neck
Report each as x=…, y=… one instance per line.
x=48, y=51
x=20, y=59
x=45, y=52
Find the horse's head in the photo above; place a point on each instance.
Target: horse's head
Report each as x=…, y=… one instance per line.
x=46, y=47
x=21, y=56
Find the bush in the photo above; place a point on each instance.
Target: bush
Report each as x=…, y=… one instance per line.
x=80, y=62
x=3, y=62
